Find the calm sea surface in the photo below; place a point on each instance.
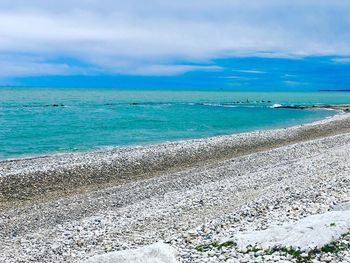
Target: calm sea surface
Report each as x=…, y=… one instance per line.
x=39, y=121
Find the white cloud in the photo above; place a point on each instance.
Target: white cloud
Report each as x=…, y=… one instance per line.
x=166, y=70
x=341, y=60
x=250, y=71
x=233, y=77
x=150, y=37
x=33, y=68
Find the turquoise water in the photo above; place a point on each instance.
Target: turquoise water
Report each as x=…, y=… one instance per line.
x=31, y=123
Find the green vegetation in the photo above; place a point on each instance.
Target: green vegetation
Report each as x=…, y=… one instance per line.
x=346, y=234
x=297, y=254
x=333, y=247
x=251, y=248
x=216, y=245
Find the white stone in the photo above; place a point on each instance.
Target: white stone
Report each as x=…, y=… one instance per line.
x=309, y=232
x=156, y=253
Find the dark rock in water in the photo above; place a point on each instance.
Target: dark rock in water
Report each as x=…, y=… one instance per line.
x=292, y=107
x=333, y=90
x=269, y=101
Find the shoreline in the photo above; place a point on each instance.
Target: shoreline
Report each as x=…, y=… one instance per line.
x=53, y=176
x=339, y=109
x=190, y=209
x=191, y=195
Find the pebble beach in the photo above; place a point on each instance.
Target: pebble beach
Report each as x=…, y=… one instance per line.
x=203, y=200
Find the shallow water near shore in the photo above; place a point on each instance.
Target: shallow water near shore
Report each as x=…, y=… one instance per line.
x=40, y=121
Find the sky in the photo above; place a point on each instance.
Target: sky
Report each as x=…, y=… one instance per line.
x=220, y=44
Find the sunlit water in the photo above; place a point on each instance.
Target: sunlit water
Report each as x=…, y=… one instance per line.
x=38, y=121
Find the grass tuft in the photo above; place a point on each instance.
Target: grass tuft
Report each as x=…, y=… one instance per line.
x=216, y=245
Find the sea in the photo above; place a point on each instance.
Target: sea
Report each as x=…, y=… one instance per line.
x=42, y=121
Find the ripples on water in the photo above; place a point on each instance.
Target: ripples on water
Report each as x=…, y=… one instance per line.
x=41, y=121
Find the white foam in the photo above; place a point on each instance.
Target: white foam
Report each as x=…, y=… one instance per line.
x=276, y=106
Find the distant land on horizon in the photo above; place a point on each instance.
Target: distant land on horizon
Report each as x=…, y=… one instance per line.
x=165, y=88
x=339, y=90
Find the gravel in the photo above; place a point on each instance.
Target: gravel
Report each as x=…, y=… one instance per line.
x=60, y=175
x=197, y=207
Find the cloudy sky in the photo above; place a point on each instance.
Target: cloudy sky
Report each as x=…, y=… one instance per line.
x=159, y=43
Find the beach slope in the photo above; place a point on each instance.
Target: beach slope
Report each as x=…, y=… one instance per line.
x=198, y=196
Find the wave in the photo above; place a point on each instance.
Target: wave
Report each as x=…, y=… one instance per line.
x=276, y=106
x=233, y=104
x=209, y=104
x=33, y=106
